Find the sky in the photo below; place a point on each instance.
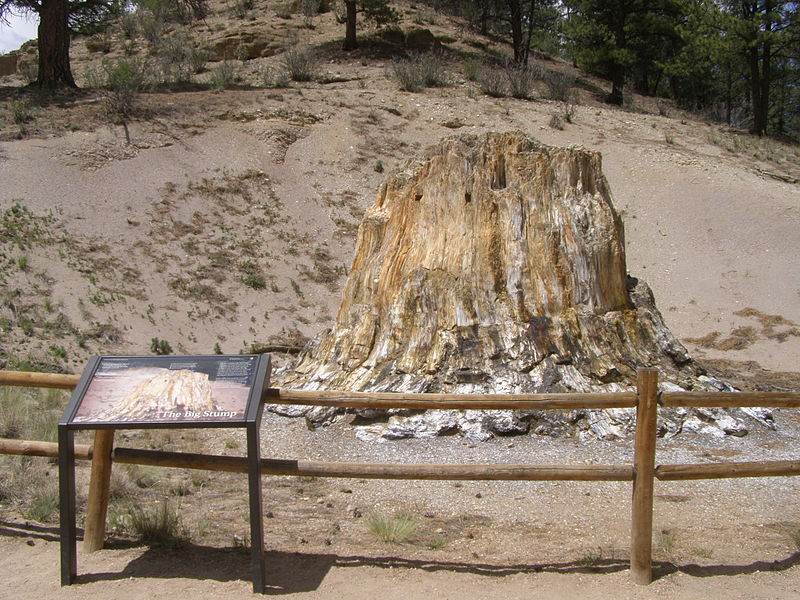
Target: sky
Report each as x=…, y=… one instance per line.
x=20, y=30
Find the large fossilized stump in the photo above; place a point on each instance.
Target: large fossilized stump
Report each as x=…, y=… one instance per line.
x=496, y=264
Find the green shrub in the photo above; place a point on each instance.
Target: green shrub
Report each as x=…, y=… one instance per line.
x=129, y=24
x=29, y=69
x=160, y=347
x=179, y=58
x=240, y=9
x=301, y=63
x=126, y=79
x=255, y=281
x=21, y=111
x=472, y=69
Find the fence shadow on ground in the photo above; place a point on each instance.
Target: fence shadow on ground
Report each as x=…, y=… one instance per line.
x=292, y=572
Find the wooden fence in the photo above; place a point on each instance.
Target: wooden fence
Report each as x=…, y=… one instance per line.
x=641, y=473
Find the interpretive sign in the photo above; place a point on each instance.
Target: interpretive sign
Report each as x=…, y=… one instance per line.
x=140, y=392
x=186, y=391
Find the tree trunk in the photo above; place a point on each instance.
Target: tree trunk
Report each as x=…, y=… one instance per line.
x=54, y=68
x=350, y=41
x=516, y=29
x=759, y=87
x=617, y=84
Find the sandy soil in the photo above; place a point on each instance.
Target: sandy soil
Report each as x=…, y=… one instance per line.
x=734, y=538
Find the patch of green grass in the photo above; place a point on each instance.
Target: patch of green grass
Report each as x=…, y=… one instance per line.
x=43, y=507
x=255, y=281
x=392, y=528
x=160, y=526
x=29, y=413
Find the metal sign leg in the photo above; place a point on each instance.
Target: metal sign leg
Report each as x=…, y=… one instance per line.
x=256, y=518
x=66, y=488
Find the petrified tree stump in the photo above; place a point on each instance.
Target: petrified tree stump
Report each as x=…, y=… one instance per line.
x=495, y=264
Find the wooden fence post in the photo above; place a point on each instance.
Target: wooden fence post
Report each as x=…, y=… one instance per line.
x=94, y=532
x=643, y=472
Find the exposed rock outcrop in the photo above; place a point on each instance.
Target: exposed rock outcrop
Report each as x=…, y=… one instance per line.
x=497, y=264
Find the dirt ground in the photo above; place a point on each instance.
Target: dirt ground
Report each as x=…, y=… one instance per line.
x=729, y=538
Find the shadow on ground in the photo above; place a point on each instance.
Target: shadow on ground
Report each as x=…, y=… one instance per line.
x=292, y=572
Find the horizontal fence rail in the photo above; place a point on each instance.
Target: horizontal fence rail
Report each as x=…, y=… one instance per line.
x=270, y=466
x=730, y=399
x=646, y=400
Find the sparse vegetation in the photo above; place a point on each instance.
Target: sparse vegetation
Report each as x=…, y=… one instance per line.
x=492, y=81
x=590, y=559
x=224, y=75
x=521, y=80
x=44, y=506
x=158, y=346
x=160, y=526
x=392, y=528
x=255, y=281
x=418, y=72
x=301, y=63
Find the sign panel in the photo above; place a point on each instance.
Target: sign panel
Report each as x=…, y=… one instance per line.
x=128, y=391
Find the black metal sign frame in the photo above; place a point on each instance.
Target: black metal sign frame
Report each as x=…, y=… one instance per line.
x=97, y=397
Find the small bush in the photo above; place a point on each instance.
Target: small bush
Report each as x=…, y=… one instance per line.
x=255, y=281
x=151, y=26
x=394, y=528
x=556, y=122
x=273, y=77
x=179, y=59
x=224, y=75
x=99, y=43
x=126, y=79
x=129, y=24
x=29, y=70
x=301, y=63
x=492, y=82
x=160, y=526
x=559, y=84
x=21, y=111
x=472, y=69
x=421, y=71
x=240, y=9
x=161, y=347
x=521, y=80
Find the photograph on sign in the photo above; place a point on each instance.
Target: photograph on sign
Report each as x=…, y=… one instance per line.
x=163, y=389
